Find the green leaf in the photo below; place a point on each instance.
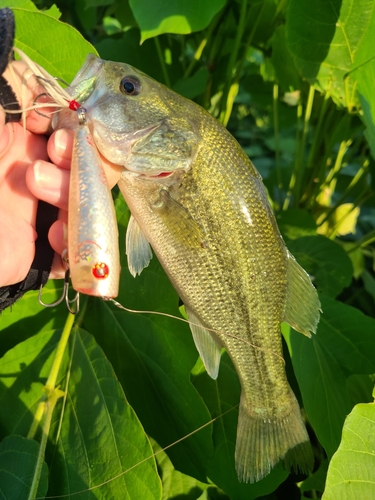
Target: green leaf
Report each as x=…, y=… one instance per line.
x=27, y=317
x=152, y=357
x=317, y=480
x=168, y=16
x=193, y=86
x=344, y=344
x=363, y=70
x=97, y=3
x=283, y=63
x=174, y=482
x=95, y=436
x=18, y=457
x=22, y=4
x=295, y=223
x=326, y=261
x=61, y=49
x=351, y=473
x=324, y=37
x=222, y=397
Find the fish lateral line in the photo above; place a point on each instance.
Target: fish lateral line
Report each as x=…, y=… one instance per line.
x=167, y=315
x=144, y=460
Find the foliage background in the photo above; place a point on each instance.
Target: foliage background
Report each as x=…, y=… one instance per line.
x=293, y=82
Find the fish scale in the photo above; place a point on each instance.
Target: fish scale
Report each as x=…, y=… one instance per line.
x=199, y=201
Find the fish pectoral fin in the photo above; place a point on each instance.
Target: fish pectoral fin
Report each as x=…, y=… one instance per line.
x=302, y=302
x=178, y=220
x=138, y=248
x=209, y=350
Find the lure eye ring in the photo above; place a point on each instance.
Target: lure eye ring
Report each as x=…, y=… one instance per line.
x=130, y=85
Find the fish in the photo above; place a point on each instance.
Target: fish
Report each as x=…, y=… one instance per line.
x=93, y=248
x=198, y=201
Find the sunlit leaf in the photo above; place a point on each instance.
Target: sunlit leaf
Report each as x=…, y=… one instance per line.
x=56, y=46
x=324, y=37
x=98, y=435
x=342, y=221
x=174, y=17
x=351, y=473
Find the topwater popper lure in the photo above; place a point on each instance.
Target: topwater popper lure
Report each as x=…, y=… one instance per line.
x=93, y=249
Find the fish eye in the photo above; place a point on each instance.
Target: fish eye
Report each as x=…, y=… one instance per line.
x=130, y=85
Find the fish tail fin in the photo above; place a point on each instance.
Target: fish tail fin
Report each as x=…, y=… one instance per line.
x=263, y=441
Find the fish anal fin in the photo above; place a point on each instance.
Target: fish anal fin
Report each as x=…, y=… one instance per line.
x=263, y=441
x=209, y=350
x=302, y=302
x=138, y=248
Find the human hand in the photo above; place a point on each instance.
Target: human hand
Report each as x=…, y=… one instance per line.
x=32, y=169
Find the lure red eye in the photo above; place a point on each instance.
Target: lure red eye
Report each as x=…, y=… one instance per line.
x=100, y=270
x=74, y=105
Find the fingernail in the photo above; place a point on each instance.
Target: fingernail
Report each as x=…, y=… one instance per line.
x=61, y=139
x=45, y=176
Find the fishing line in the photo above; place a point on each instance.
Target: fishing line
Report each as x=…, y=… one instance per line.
x=219, y=332
x=145, y=459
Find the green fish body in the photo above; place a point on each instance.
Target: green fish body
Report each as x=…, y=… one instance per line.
x=197, y=199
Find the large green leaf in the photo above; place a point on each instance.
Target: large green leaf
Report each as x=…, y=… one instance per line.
x=174, y=17
x=18, y=458
x=95, y=437
x=351, y=473
x=326, y=261
x=56, y=46
x=324, y=37
x=27, y=317
x=344, y=345
x=363, y=70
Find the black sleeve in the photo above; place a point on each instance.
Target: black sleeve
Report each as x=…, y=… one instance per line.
x=46, y=213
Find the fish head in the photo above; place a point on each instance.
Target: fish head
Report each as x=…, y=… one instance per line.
x=135, y=121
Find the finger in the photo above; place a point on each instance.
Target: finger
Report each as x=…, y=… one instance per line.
x=49, y=183
x=60, y=146
x=58, y=233
x=27, y=88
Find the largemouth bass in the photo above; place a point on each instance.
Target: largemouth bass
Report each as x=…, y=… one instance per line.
x=199, y=201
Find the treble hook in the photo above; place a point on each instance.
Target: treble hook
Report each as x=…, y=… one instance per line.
x=36, y=101
x=65, y=293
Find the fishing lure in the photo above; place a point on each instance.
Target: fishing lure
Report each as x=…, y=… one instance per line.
x=93, y=248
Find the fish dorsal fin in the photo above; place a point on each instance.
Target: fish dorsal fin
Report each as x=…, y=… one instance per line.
x=302, y=302
x=209, y=350
x=138, y=248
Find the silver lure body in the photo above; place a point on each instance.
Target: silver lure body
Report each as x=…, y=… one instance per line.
x=93, y=248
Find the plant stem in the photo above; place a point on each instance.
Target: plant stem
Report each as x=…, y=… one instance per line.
x=293, y=176
x=300, y=165
x=365, y=241
x=224, y=112
x=162, y=62
x=361, y=172
x=312, y=160
x=47, y=404
x=277, y=138
x=53, y=397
